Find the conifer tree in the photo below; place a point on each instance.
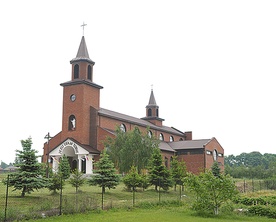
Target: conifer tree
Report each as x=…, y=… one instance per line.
x=77, y=179
x=105, y=174
x=178, y=171
x=28, y=178
x=64, y=167
x=216, y=169
x=55, y=182
x=133, y=180
x=159, y=175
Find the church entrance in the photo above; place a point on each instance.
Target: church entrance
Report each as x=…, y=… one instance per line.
x=79, y=158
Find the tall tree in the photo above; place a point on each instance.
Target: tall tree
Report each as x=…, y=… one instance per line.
x=64, y=167
x=28, y=178
x=159, y=175
x=131, y=148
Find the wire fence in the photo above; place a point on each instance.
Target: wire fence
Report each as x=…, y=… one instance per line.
x=43, y=203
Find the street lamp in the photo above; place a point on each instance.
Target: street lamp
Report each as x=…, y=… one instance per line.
x=48, y=137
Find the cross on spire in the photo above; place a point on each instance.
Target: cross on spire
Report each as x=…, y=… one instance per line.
x=83, y=28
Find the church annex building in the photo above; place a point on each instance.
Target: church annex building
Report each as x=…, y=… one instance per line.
x=85, y=125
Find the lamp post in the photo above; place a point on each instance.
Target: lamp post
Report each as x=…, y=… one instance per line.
x=48, y=137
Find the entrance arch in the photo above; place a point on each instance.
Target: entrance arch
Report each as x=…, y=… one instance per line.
x=79, y=157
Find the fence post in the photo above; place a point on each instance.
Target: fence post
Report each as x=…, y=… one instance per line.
x=60, y=198
x=7, y=194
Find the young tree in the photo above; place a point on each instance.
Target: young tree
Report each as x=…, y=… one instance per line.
x=131, y=148
x=159, y=175
x=77, y=179
x=133, y=180
x=64, y=167
x=105, y=175
x=55, y=182
x=216, y=169
x=211, y=191
x=178, y=171
x=28, y=178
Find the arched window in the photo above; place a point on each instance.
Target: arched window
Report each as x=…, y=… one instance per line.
x=123, y=127
x=161, y=137
x=149, y=112
x=72, y=122
x=89, y=72
x=181, y=139
x=76, y=71
x=171, y=139
x=150, y=134
x=157, y=112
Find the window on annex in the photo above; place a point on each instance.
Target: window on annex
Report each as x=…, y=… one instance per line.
x=89, y=72
x=76, y=71
x=149, y=112
x=171, y=139
x=181, y=139
x=161, y=137
x=72, y=122
x=123, y=127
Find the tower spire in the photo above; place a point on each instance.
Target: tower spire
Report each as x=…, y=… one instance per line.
x=82, y=54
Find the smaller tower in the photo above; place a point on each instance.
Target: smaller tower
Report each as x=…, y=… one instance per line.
x=82, y=65
x=152, y=111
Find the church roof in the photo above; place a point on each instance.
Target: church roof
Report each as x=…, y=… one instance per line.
x=137, y=121
x=165, y=146
x=189, y=144
x=82, y=54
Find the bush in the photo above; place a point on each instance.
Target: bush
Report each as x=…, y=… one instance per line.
x=261, y=210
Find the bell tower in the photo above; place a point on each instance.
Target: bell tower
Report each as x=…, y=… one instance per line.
x=152, y=111
x=80, y=95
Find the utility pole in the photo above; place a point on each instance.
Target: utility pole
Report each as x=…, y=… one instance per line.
x=48, y=137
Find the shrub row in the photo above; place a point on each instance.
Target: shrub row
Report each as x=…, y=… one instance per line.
x=248, y=201
x=260, y=210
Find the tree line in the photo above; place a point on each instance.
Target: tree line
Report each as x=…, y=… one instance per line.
x=251, y=165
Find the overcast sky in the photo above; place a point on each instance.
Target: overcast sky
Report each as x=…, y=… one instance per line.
x=211, y=63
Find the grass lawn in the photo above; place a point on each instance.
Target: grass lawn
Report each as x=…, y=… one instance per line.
x=157, y=214
x=118, y=201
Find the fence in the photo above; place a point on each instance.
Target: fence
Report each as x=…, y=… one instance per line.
x=43, y=203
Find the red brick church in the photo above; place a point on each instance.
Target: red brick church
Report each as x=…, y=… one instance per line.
x=85, y=125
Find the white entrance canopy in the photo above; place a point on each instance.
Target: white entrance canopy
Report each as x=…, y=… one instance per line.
x=79, y=156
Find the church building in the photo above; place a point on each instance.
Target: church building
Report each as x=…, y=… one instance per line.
x=85, y=125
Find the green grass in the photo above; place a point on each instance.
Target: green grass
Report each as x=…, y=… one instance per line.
x=156, y=214
x=117, y=202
